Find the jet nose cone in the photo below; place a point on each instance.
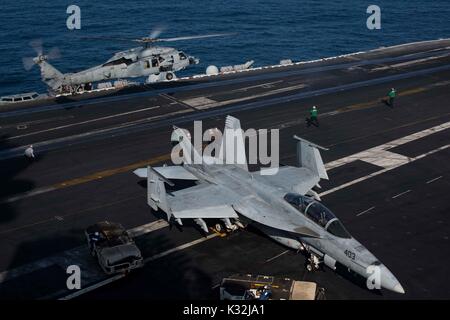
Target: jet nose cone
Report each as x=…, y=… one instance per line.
x=399, y=289
x=389, y=281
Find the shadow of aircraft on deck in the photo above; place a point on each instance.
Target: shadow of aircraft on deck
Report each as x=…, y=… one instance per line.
x=11, y=185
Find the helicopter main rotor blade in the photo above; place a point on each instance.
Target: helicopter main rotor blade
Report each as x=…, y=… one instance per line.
x=36, y=44
x=28, y=63
x=156, y=32
x=111, y=38
x=194, y=37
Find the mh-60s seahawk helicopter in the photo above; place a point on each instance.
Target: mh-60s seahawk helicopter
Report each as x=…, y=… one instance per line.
x=155, y=62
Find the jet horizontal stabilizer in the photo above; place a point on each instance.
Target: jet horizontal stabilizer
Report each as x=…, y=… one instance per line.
x=170, y=183
x=168, y=172
x=311, y=144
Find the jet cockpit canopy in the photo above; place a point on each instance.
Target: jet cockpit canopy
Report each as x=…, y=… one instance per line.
x=318, y=213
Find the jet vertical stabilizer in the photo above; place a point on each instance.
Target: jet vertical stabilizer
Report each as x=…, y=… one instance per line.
x=190, y=154
x=232, y=148
x=308, y=156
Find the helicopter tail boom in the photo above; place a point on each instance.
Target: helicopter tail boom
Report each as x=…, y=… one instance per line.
x=50, y=75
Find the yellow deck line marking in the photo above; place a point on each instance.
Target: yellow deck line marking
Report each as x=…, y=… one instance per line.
x=110, y=172
x=369, y=104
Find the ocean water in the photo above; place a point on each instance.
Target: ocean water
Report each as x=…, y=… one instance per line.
x=267, y=30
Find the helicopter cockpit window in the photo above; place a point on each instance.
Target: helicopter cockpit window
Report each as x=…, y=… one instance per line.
x=182, y=56
x=118, y=61
x=154, y=62
x=160, y=59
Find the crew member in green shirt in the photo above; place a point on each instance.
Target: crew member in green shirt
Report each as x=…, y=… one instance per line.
x=391, y=96
x=313, y=117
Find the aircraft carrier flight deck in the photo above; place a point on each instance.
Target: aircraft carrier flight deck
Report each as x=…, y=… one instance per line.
x=389, y=176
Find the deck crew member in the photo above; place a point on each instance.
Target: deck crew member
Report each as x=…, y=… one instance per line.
x=313, y=117
x=391, y=96
x=29, y=152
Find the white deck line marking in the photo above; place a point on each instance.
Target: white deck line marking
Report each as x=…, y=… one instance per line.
x=27, y=123
x=83, y=122
x=365, y=211
x=433, y=180
x=382, y=158
x=350, y=183
x=215, y=104
x=147, y=228
x=400, y=194
x=407, y=63
x=379, y=154
x=93, y=287
x=181, y=247
x=263, y=85
x=277, y=256
x=28, y=194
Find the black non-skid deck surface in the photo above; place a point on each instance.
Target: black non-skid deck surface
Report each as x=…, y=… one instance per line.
x=86, y=154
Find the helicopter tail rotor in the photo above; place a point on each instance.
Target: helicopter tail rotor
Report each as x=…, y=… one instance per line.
x=37, y=45
x=50, y=75
x=28, y=63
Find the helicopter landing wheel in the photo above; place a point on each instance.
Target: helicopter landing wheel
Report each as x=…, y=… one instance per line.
x=169, y=76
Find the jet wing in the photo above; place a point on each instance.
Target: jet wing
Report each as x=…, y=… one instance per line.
x=202, y=201
x=257, y=210
x=293, y=179
x=168, y=172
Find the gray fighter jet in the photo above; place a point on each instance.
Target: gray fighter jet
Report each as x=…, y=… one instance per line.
x=283, y=205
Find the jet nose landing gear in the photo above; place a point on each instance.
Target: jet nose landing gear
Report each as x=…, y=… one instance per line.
x=313, y=263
